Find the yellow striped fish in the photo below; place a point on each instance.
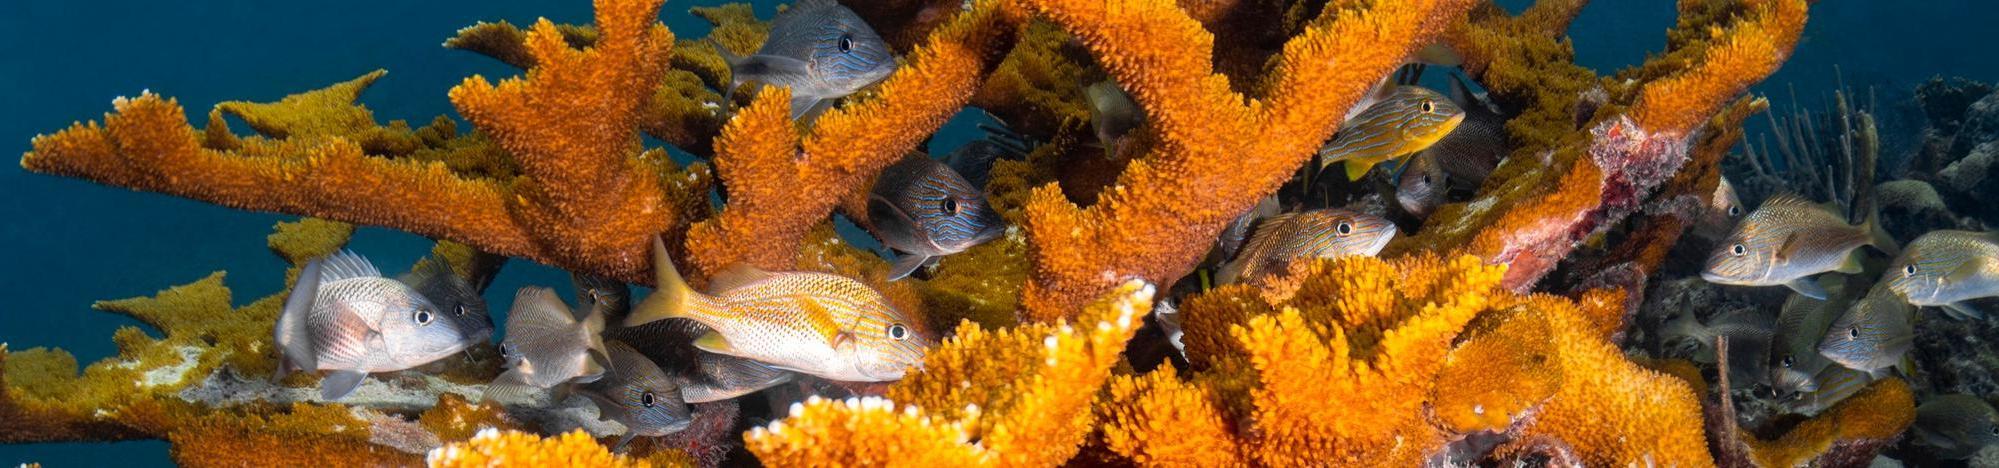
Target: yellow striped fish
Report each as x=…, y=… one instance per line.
x=1945, y=268
x=824, y=325
x=1407, y=120
x=1325, y=233
x=1873, y=335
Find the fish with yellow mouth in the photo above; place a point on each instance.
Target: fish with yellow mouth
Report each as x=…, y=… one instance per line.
x=1406, y=120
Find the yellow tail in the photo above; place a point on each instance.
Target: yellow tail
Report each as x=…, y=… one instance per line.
x=670, y=296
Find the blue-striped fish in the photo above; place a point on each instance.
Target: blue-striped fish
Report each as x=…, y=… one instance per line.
x=599, y=295
x=923, y=209
x=547, y=345
x=1946, y=268
x=1795, y=362
x=1787, y=240
x=1408, y=120
x=1954, y=426
x=343, y=316
x=1835, y=384
x=1462, y=158
x=819, y=49
x=820, y=324
x=638, y=395
x=1872, y=335
x=1322, y=233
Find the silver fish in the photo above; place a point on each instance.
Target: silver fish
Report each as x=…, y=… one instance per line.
x=638, y=395
x=819, y=49
x=1946, y=268
x=1955, y=426
x=1113, y=113
x=343, y=316
x=925, y=210
x=702, y=376
x=1424, y=185
x=453, y=295
x=1872, y=335
x=1794, y=358
x=1322, y=233
x=1721, y=213
x=1786, y=241
x=600, y=295
x=547, y=345
x=1835, y=384
x=1683, y=335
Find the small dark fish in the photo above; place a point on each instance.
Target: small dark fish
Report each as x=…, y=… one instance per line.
x=609, y=297
x=1794, y=358
x=1721, y=213
x=638, y=395
x=343, y=316
x=1424, y=185
x=1872, y=335
x=1749, y=334
x=975, y=159
x=1472, y=150
x=925, y=210
x=1169, y=323
x=1322, y=233
x=547, y=345
x=721, y=377
x=1113, y=113
x=1789, y=239
x=1954, y=426
x=1945, y=268
x=452, y=294
x=1835, y=384
x=819, y=49
x=1408, y=120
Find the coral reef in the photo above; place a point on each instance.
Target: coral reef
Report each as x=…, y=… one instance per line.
x=496, y=448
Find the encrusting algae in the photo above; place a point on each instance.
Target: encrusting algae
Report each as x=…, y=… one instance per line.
x=1441, y=351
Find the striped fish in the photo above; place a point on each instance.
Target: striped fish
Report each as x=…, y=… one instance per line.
x=819, y=49
x=1462, y=158
x=1835, y=384
x=1945, y=268
x=1872, y=335
x=547, y=345
x=924, y=210
x=1322, y=233
x=1795, y=362
x=703, y=377
x=638, y=395
x=1954, y=426
x=1408, y=120
x=1721, y=213
x=343, y=316
x=824, y=325
x=1787, y=240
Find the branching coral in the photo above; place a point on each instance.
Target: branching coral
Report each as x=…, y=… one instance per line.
x=510, y=448
x=1154, y=223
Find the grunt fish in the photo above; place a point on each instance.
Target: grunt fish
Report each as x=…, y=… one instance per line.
x=452, y=294
x=1794, y=358
x=1424, y=185
x=924, y=210
x=1721, y=212
x=814, y=323
x=1945, y=268
x=1835, y=384
x=638, y=395
x=1113, y=113
x=1470, y=152
x=547, y=345
x=1749, y=333
x=1874, y=334
x=1322, y=233
x=1408, y=120
x=1954, y=426
x=343, y=316
x=819, y=49
x=1789, y=239
x=598, y=295
x=975, y=159
x=721, y=377
x=1230, y=242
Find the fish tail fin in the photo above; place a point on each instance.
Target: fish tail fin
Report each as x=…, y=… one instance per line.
x=671, y=297
x=593, y=330
x=1357, y=168
x=1879, y=237
x=905, y=265
x=291, y=334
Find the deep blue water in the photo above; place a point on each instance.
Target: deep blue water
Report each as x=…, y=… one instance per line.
x=66, y=243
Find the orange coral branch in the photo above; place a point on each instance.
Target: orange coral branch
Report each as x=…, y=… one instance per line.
x=1216, y=153
x=776, y=193
x=1748, y=51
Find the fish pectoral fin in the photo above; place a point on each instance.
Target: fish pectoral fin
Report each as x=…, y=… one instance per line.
x=1963, y=311
x=338, y=384
x=906, y=264
x=810, y=112
x=1964, y=272
x=1788, y=249
x=734, y=276
x=1357, y=168
x=714, y=342
x=1852, y=263
x=1807, y=287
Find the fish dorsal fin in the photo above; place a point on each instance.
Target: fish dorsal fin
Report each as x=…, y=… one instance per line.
x=346, y=264
x=735, y=276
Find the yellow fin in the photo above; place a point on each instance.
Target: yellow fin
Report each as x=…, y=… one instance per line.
x=714, y=342
x=1357, y=168
x=671, y=296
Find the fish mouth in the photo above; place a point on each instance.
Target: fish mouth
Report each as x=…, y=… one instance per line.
x=1716, y=278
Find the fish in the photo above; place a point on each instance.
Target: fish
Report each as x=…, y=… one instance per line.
x=1794, y=358
x=1113, y=113
x=342, y=316
x=925, y=210
x=974, y=160
x=1408, y=120
x=819, y=324
x=547, y=345
x=1749, y=334
x=433, y=278
x=1787, y=240
x=1321, y=233
x=1945, y=268
x=1168, y=316
x=1954, y=426
x=1232, y=237
x=598, y=295
x=1423, y=187
x=1873, y=334
x=637, y=394
x=720, y=377
x=819, y=49
x=1835, y=384
x=1721, y=213
x=1469, y=153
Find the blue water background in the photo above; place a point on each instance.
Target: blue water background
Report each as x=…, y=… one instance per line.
x=67, y=243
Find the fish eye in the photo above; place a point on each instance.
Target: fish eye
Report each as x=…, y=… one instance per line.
x=1909, y=270
x=1853, y=333
x=1428, y=179
x=1344, y=228
x=646, y=399
x=1995, y=430
x=898, y=332
x=846, y=43
x=1429, y=106
x=1734, y=211
x=950, y=205
x=422, y=317
x=462, y=310
x=1788, y=360
x=1739, y=250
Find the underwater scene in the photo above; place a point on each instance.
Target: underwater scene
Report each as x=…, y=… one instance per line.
x=1439, y=233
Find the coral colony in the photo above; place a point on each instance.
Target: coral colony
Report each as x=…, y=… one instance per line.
x=1487, y=332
